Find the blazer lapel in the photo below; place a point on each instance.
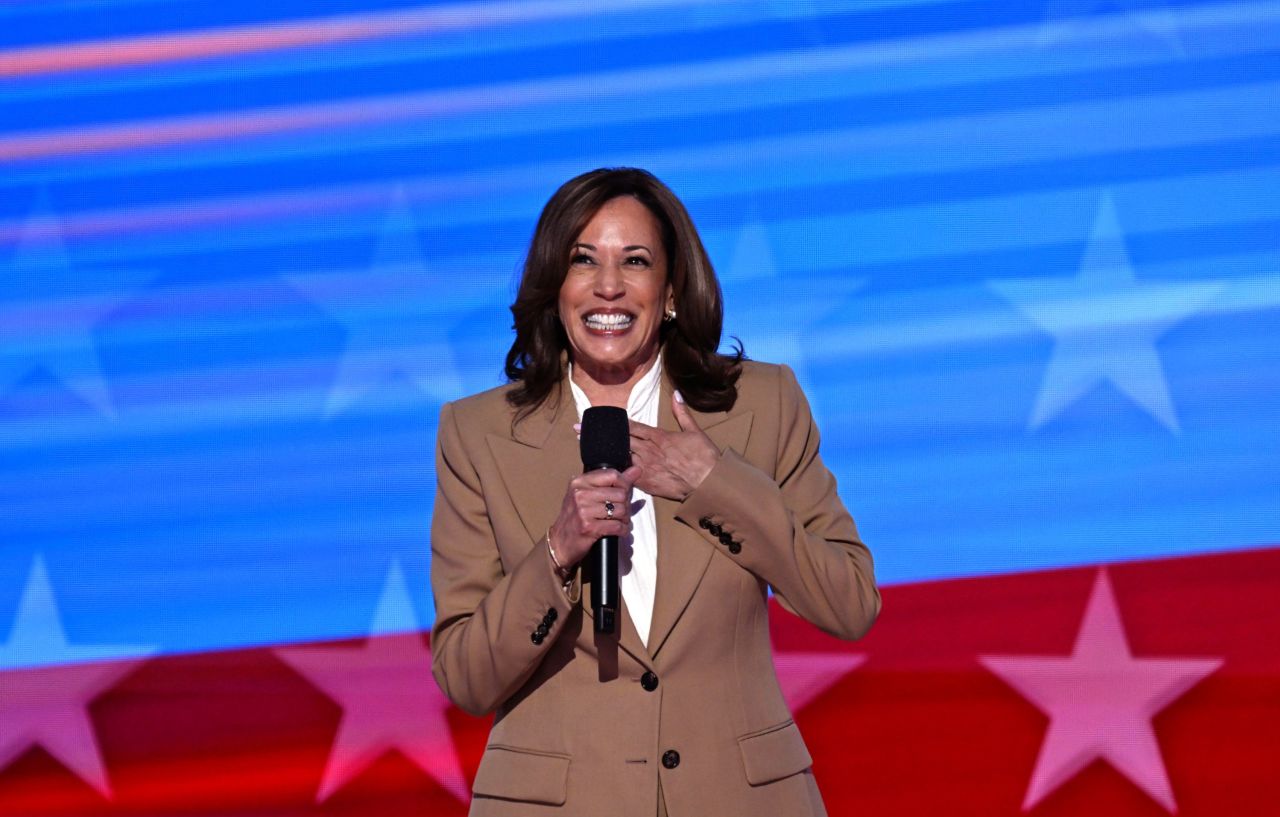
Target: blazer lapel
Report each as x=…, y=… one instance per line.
x=683, y=555
x=536, y=464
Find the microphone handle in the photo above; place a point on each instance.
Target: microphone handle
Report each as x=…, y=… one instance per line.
x=602, y=572
x=603, y=562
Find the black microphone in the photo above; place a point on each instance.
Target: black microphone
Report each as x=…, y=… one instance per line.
x=606, y=443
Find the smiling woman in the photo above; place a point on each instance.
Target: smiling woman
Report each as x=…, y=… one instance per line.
x=726, y=497
x=620, y=200
x=614, y=298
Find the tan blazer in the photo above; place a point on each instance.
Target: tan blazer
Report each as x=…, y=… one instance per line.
x=586, y=724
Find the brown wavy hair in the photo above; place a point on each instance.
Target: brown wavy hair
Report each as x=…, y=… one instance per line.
x=690, y=343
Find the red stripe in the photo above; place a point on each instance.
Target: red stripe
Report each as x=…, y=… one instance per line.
x=923, y=728
x=919, y=728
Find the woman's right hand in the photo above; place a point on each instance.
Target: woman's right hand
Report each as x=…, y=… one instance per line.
x=583, y=516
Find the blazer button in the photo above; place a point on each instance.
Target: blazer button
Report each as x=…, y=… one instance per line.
x=670, y=759
x=735, y=548
x=705, y=523
x=649, y=681
x=537, y=637
x=551, y=614
x=725, y=539
x=716, y=530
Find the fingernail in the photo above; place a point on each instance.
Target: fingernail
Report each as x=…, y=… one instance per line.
x=679, y=396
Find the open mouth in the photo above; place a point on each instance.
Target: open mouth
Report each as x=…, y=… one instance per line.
x=608, y=323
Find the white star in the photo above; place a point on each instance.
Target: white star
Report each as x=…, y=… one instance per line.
x=49, y=683
x=48, y=308
x=805, y=676
x=1105, y=325
x=751, y=264
x=1062, y=17
x=388, y=697
x=395, y=314
x=1100, y=701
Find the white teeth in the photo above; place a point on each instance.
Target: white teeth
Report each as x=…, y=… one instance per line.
x=609, y=320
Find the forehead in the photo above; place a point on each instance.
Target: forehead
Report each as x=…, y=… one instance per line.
x=623, y=217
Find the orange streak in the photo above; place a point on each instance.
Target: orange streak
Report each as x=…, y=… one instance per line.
x=167, y=132
x=211, y=43
x=236, y=40
x=193, y=215
x=173, y=47
x=241, y=124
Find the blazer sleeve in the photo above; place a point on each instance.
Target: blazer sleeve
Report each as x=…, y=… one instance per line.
x=483, y=643
x=790, y=528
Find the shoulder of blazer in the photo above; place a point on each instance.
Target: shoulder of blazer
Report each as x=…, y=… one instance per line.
x=762, y=385
x=488, y=413
x=757, y=374
x=489, y=404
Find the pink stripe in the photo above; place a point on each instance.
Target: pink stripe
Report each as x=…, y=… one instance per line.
x=287, y=119
x=160, y=133
x=223, y=42
x=179, y=215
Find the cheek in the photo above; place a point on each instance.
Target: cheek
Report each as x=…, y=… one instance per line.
x=564, y=306
x=572, y=293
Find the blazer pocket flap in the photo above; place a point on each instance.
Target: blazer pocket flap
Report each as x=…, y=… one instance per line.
x=773, y=754
x=524, y=775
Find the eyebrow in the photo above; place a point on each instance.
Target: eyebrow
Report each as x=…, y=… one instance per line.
x=627, y=248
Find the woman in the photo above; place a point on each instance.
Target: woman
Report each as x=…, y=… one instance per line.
x=680, y=712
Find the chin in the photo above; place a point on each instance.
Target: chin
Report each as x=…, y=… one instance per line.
x=609, y=357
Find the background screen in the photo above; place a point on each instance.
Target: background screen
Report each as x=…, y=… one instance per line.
x=1023, y=257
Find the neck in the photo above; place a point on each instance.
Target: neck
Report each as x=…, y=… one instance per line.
x=610, y=387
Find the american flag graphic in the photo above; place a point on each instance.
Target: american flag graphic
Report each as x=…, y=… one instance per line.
x=1023, y=256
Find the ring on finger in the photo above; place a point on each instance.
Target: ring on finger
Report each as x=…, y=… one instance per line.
x=608, y=510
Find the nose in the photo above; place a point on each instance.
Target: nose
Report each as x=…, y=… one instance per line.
x=610, y=283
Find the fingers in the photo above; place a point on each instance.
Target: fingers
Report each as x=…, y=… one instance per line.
x=608, y=478
x=593, y=527
x=640, y=431
x=593, y=501
x=684, y=417
x=586, y=515
x=596, y=519
x=644, y=455
x=603, y=478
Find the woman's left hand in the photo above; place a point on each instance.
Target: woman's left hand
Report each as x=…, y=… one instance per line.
x=672, y=464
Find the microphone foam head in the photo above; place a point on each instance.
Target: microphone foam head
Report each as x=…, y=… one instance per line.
x=606, y=438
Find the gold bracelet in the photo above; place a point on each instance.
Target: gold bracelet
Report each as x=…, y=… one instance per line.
x=561, y=569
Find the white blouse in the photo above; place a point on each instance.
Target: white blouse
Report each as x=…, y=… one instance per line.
x=638, y=553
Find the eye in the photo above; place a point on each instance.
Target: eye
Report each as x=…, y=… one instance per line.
x=581, y=258
x=638, y=261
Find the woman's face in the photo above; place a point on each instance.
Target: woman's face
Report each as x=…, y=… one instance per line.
x=616, y=291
